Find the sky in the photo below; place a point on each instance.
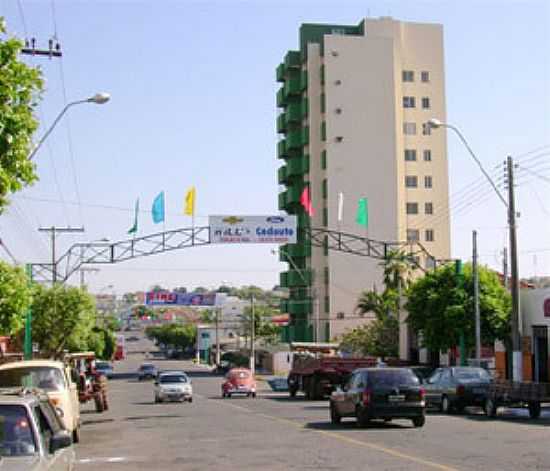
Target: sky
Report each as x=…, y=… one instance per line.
x=193, y=103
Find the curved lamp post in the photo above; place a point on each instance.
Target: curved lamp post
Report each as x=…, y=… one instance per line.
x=98, y=99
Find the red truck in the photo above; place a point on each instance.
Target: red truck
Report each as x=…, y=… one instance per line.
x=316, y=370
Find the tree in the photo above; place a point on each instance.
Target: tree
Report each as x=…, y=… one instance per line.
x=264, y=328
x=180, y=289
x=15, y=298
x=441, y=307
x=129, y=298
x=397, y=270
x=224, y=289
x=377, y=338
x=175, y=336
x=200, y=290
x=20, y=88
x=63, y=318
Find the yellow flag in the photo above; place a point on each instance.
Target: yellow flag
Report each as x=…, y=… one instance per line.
x=189, y=209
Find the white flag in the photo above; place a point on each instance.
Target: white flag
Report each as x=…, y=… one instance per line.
x=340, y=207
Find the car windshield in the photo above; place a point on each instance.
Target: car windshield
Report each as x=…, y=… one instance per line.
x=103, y=366
x=147, y=367
x=16, y=437
x=173, y=379
x=239, y=375
x=392, y=378
x=43, y=377
x=472, y=374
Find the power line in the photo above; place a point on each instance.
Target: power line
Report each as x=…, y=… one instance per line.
x=5, y=247
x=536, y=174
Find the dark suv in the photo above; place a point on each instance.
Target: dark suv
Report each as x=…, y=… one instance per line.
x=380, y=393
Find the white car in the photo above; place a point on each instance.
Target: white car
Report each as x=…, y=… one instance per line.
x=54, y=378
x=173, y=387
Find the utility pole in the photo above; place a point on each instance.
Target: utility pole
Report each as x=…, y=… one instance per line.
x=53, y=230
x=252, y=352
x=217, y=337
x=459, y=275
x=517, y=371
x=505, y=267
x=52, y=51
x=317, y=305
x=476, y=296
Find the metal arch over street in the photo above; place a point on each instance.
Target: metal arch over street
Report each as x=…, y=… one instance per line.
x=113, y=252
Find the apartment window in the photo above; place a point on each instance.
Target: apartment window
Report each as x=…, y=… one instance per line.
x=428, y=208
x=325, y=217
x=411, y=181
x=413, y=235
x=427, y=181
x=409, y=128
x=425, y=103
x=323, y=102
x=326, y=275
x=338, y=110
x=325, y=246
x=337, y=82
x=324, y=189
x=410, y=155
x=412, y=208
x=426, y=129
x=409, y=102
x=324, y=160
x=339, y=138
x=427, y=155
x=327, y=304
x=425, y=76
x=408, y=76
x=429, y=235
x=430, y=263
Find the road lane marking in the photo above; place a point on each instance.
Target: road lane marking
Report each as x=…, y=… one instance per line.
x=353, y=441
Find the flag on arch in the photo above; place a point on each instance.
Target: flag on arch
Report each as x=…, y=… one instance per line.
x=362, y=217
x=134, y=228
x=305, y=201
x=158, y=208
x=190, y=196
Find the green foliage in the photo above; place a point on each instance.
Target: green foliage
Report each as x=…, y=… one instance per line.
x=441, y=306
x=208, y=316
x=20, y=87
x=63, y=318
x=263, y=326
x=102, y=341
x=15, y=298
x=173, y=335
x=236, y=359
x=377, y=338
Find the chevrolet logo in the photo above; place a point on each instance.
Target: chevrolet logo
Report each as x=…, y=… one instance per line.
x=232, y=220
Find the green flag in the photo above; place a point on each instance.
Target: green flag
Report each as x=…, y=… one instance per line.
x=362, y=217
x=134, y=228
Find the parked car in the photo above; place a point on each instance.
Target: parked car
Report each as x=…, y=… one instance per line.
x=32, y=436
x=422, y=372
x=454, y=388
x=239, y=381
x=379, y=393
x=55, y=379
x=147, y=371
x=173, y=386
x=133, y=338
x=104, y=368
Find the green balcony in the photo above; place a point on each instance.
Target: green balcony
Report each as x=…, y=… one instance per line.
x=283, y=306
x=302, y=306
x=294, y=251
x=281, y=99
x=281, y=123
x=303, y=80
x=323, y=131
x=282, y=201
x=294, y=113
x=294, y=140
x=282, y=151
x=293, y=194
x=305, y=107
x=323, y=102
x=292, y=87
x=283, y=279
x=324, y=160
x=322, y=74
x=304, y=220
x=282, y=175
x=299, y=278
x=305, y=135
x=280, y=72
x=293, y=60
x=297, y=166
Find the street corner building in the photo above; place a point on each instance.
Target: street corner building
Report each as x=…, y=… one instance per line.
x=354, y=104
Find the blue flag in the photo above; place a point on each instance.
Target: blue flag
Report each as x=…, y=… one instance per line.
x=158, y=208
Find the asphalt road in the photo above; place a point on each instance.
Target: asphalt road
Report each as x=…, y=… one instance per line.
x=274, y=432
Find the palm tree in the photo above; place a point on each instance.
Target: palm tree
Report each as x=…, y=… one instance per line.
x=371, y=301
x=397, y=270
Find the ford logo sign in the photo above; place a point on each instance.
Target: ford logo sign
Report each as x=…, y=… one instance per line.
x=275, y=219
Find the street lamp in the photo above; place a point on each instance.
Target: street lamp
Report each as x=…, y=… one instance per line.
x=510, y=206
x=99, y=99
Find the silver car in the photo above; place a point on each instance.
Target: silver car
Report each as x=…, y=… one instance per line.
x=173, y=387
x=23, y=446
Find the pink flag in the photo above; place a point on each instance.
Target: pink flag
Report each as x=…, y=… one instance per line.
x=305, y=201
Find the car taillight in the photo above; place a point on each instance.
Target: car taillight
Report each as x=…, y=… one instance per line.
x=460, y=390
x=422, y=394
x=366, y=397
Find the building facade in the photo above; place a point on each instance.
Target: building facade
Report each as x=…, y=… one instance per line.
x=354, y=106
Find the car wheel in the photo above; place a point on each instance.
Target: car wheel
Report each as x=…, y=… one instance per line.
x=76, y=435
x=254, y=395
x=363, y=419
x=229, y=395
x=490, y=407
x=190, y=399
x=224, y=395
x=534, y=410
x=446, y=406
x=334, y=416
x=156, y=400
x=419, y=421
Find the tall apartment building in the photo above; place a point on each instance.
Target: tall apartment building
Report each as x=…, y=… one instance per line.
x=354, y=105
